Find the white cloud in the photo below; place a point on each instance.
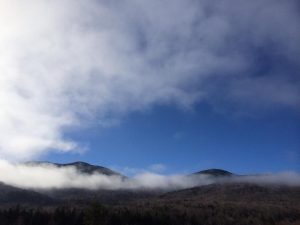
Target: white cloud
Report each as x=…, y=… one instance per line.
x=63, y=62
x=48, y=176
x=133, y=171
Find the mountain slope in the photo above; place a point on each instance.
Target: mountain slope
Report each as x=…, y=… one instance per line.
x=240, y=193
x=14, y=195
x=82, y=167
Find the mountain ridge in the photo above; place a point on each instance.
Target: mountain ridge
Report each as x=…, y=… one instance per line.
x=88, y=168
x=215, y=173
x=219, y=190
x=83, y=167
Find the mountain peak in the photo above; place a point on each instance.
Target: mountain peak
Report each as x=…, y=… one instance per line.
x=80, y=163
x=215, y=172
x=89, y=168
x=82, y=167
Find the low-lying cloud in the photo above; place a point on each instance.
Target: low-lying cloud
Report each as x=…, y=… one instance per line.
x=48, y=176
x=283, y=178
x=65, y=62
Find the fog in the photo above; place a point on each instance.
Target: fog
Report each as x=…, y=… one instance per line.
x=283, y=178
x=48, y=176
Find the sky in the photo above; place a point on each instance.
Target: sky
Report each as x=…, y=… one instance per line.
x=164, y=86
x=185, y=142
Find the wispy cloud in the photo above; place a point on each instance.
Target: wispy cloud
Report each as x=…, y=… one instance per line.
x=158, y=168
x=64, y=62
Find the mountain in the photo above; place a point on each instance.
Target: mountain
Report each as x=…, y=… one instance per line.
x=239, y=193
x=220, y=202
x=76, y=195
x=219, y=190
x=230, y=204
x=14, y=195
x=82, y=167
x=215, y=173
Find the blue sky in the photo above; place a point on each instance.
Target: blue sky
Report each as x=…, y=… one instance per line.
x=172, y=86
x=188, y=141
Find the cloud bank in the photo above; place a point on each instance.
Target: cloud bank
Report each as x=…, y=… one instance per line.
x=48, y=176
x=64, y=63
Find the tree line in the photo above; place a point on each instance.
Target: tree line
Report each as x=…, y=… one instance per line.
x=152, y=214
